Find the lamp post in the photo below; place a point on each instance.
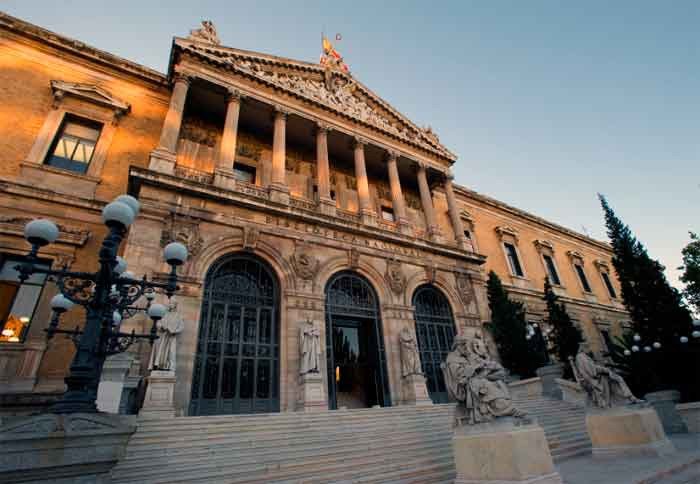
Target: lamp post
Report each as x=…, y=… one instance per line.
x=108, y=296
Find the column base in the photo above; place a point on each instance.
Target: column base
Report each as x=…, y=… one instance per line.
x=162, y=161
x=368, y=217
x=312, y=398
x=159, y=401
x=625, y=431
x=279, y=193
x=224, y=178
x=415, y=390
x=501, y=453
x=327, y=206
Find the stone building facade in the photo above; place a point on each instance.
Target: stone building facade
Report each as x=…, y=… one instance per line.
x=300, y=194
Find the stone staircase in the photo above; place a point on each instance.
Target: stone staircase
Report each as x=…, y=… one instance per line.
x=389, y=445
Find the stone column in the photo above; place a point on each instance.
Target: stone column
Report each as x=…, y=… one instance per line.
x=326, y=203
x=397, y=200
x=367, y=214
x=453, y=211
x=223, y=175
x=427, y=202
x=279, y=191
x=163, y=157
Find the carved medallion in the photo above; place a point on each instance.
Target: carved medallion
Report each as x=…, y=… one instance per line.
x=184, y=230
x=465, y=288
x=354, y=258
x=395, y=277
x=431, y=272
x=250, y=238
x=304, y=262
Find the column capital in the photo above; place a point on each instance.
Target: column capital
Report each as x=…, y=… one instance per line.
x=358, y=142
x=281, y=111
x=234, y=95
x=321, y=126
x=184, y=77
x=392, y=155
x=421, y=165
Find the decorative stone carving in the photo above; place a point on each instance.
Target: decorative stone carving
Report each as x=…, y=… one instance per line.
x=431, y=272
x=184, y=230
x=309, y=348
x=206, y=33
x=575, y=255
x=541, y=244
x=602, y=265
x=395, y=277
x=477, y=383
x=164, y=349
x=88, y=92
x=251, y=235
x=410, y=358
x=67, y=234
x=354, y=258
x=506, y=230
x=605, y=388
x=465, y=288
x=305, y=263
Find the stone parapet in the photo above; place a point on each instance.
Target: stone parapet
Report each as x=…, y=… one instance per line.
x=63, y=448
x=571, y=392
x=664, y=402
x=528, y=388
x=690, y=413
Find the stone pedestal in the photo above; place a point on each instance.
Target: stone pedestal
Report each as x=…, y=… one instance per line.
x=415, y=390
x=664, y=402
x=312, y=397
x=503, y=453
x=327, y=207
x=549, y=374
x=224, y=178
x=159, y=400
x=279, y=193
x=63, y=449
x=162, y=161
x=629, y=430
x=111, y=388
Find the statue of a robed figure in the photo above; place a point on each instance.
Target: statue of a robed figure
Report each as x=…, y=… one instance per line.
x=410, y=358
x=309, y=348
x=604, y=387
x=165, y=348
x=477, y=383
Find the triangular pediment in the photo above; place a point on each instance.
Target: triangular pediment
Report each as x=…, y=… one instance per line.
x=90, y=92
x=331, y=89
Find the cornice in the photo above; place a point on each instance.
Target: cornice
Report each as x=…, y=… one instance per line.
x=79, y=49
x=470, y=194
x=565, y=299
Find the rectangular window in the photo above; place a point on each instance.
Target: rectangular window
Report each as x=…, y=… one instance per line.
x=17, y=301
x=582, y=278
x=74, y=145
x=551, y=270
x=608, y=284
x=515, y=267
x=387, y=214
x=244, y=173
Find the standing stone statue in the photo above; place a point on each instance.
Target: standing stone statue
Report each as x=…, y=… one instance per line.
x=477, y=383
x=604, y=387
x=410, y=358
x=164, y=348
x=309, y=348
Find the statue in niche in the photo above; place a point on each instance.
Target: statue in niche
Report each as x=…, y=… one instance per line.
x=164, y=348
x=604, y=387
x=477, y=383
x=410, y=358
x=206, y=33
x=309, y=348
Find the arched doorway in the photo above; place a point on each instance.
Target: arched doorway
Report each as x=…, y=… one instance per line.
x=355, y=356
x=435, y=329
x=236, y=368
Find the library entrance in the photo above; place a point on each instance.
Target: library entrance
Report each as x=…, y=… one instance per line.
x=357, y=373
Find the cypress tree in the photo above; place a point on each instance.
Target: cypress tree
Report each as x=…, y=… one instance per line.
x=565, y=336
x=508, y=327
x=656, y=309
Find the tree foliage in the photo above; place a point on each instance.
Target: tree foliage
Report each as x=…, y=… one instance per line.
x=565, y=336
x=691, y=272
x=508, y=327
x=656, y=310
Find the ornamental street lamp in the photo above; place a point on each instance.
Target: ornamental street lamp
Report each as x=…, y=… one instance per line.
x=108, y=296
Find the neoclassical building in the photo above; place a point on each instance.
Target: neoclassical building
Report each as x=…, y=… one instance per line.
x=301, y=195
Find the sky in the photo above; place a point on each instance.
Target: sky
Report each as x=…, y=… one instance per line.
x=546, y=102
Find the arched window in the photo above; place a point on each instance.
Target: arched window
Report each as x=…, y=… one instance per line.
x=435, y=329
x=236, y=367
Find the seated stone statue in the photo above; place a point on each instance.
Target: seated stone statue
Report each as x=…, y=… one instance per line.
x=477, y=383
x=604, y=387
